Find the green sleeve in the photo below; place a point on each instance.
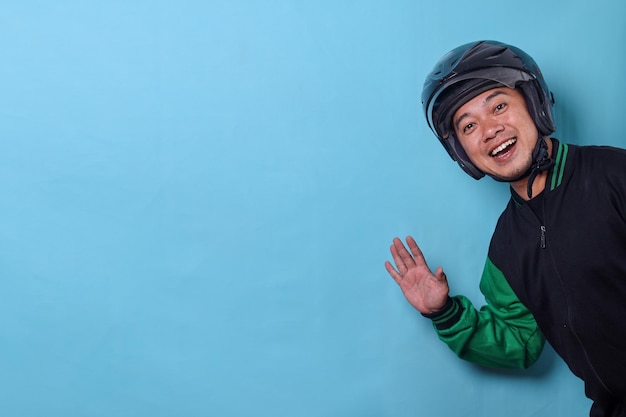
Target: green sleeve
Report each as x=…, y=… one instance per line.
x=502, y=334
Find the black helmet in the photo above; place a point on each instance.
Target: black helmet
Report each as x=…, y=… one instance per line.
x=472, y=69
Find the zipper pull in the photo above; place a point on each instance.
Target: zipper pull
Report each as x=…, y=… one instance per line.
x=543, y=237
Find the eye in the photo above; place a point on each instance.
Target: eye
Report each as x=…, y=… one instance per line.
x=468, y=127
x=500, y=107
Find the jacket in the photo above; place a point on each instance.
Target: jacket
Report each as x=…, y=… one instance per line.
x=556, y=271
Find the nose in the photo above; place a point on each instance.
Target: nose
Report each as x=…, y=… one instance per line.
x=492, y=126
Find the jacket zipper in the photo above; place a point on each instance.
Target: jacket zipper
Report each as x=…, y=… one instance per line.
x=569, y=324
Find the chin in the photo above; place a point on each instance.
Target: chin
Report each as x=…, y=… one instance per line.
x=516, y=176
x=512, y=175
x=513, y=172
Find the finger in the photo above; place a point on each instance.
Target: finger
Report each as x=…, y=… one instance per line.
x=403, y=253
x=398, y=260
x=415, y=250
x=395, y=249
x=392, y=271
x=440, y=275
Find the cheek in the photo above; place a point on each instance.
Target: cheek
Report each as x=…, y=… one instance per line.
x=526, y=123
x=530, y=129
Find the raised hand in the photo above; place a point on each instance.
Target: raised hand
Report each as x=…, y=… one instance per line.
x=427, y=292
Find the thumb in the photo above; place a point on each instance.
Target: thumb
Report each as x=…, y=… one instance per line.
x=440, y=275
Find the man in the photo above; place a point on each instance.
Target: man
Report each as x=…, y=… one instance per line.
x=556, y=267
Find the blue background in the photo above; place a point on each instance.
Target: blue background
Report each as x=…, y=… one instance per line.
x=198, y=198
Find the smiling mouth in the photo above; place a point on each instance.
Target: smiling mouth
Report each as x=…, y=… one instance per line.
x=503, y=148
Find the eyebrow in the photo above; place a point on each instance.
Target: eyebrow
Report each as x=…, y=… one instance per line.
x=487, y=100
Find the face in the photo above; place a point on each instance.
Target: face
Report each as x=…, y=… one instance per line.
x=497, y=132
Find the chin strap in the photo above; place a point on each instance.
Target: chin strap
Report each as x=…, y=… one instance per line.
x=541, y=163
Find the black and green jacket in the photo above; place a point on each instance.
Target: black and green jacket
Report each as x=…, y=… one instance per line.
x=556, y=269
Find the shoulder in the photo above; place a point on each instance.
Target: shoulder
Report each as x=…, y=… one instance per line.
x=596, y=152
x=593, y=161
x=598, y=174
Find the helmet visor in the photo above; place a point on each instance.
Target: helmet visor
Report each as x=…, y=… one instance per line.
x=458, y=90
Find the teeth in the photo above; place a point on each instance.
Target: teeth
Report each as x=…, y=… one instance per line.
x=502, y=147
